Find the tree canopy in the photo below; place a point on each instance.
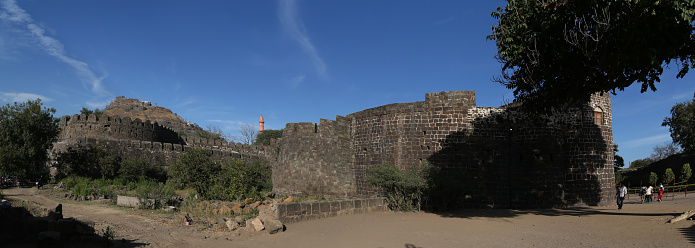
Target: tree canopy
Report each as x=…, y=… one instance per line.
x=556, y=51
x=681, y=124
x=27, y=132
x=268, y=134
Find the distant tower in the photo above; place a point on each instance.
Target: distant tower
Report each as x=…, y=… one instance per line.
x=260, y=123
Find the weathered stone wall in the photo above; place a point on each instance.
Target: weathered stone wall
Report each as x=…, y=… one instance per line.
x=158, y=153
x=91, y=126
x=315, y=160
x=489, y=157
x=153, y=143
x=301, y=211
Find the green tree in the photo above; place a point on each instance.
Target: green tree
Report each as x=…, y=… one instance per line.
x=86, y=111
x=641, y=162
x=618, y=161
x=27, y=132
x=555, y=51
x=132, y=169
x=268, y=134
x=669, y=176
x=686, y=172
x=653, y=178
x=195, y=169
x=681, y=125
x=92, y=162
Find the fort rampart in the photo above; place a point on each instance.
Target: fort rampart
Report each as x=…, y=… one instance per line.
x=493, y=157
x=126, y=138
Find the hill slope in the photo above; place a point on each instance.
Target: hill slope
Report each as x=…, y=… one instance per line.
x=143, y=110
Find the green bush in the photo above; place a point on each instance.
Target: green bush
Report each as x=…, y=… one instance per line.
x=133, y=169
x=82, y=188
x=161, y=194
x=404, y=189
x=195, y=169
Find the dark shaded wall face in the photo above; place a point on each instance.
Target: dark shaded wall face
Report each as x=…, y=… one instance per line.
x=491, y=157
x=486, y=157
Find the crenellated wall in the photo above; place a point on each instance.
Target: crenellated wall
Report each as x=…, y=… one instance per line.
x=125, y=138
x=491, y=157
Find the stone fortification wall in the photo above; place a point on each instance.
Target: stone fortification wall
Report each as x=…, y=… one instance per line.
x=487, y=157
x=156, y=144
x=91, y=126
x=158, y=153
x=314, y=160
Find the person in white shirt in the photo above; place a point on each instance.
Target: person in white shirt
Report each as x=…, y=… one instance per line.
x=620, y=195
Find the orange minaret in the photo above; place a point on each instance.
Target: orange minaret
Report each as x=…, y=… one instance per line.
x=260, y=123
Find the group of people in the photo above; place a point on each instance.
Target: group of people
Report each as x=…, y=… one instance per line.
x=645, y=194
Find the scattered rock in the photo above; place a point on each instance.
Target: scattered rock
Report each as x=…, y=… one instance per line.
x=257, y=224
x=273, y=226
x=248, y=200
x=232, y=225
x=683, y=216
x=255, y=204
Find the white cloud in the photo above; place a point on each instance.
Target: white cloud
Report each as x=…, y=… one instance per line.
x=11, y=12
x=11, y=97
x=296, y=81
x=647, y=141
x=292, y=24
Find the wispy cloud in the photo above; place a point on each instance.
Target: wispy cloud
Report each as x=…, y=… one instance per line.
x=11, y=12
x=188, y=101
x=297, y=81
x=292, y=24
x=647, y=141
x=10, y=97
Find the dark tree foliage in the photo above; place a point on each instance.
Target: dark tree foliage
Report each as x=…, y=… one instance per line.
x=91, y=162
x=618, y=161
x=265, y=137
x=86, y=111
x=195, y=169
x=557, y=51
x=681, y=124
x=641, y=162
x=27, y=132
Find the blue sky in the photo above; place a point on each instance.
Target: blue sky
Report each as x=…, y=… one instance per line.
x=224, y=63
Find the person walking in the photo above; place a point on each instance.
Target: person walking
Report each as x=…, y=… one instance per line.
x=643, y=193
x=649, y=193
x=661, y=191
x=620, y=195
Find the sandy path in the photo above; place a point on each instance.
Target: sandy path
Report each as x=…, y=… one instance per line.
x=637, y=225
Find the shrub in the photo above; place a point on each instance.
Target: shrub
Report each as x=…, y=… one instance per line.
x=404, y=189
x=161, y=194
x=133, y=168
x=195, y=169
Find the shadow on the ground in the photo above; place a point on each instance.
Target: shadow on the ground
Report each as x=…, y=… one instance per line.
x=127, y=243
x=688, y=233
x=575, y=211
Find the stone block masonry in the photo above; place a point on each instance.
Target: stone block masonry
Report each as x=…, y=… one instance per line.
x=488, y=157
x=300, y=211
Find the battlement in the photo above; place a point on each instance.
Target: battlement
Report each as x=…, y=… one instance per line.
x=104, y=126
x=502, y=157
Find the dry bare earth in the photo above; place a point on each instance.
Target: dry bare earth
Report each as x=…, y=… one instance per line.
x=637, y=225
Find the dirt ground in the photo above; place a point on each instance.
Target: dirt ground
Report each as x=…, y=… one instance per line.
x=636, y=225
